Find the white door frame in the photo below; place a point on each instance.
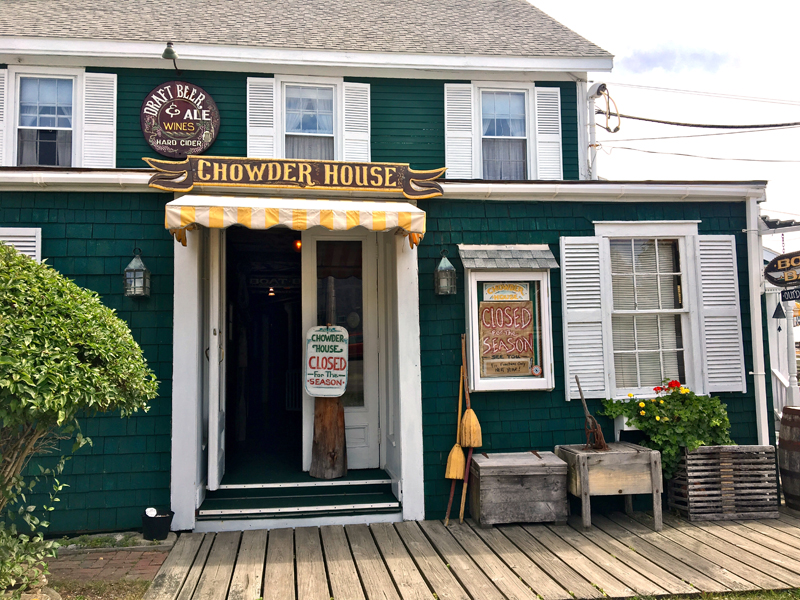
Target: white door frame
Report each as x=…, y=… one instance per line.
x=217, y=309
x=371, y=420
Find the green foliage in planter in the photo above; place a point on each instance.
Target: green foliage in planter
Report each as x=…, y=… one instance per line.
x=672, y=419
x=62, y=352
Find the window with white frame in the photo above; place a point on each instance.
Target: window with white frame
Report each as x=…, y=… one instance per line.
x=648, y=301
x=44, y=126
x=504, y=135
x=57, y=117
x=503, y=131
x=309, y=123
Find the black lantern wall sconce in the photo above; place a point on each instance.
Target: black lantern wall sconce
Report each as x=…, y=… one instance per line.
x=137, y=277
x=445, y=277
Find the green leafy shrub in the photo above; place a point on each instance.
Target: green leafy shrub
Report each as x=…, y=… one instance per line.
x=672, y=419
x=62, y=352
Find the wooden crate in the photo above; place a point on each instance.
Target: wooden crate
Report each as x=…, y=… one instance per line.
x=717, y=483
x=518, y=487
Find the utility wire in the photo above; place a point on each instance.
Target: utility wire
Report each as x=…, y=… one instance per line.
x=706, y=157
x=699, y=125
x=711, y=94
x=697, y=135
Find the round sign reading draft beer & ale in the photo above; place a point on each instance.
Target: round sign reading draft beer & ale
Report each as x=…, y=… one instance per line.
x=179, y=119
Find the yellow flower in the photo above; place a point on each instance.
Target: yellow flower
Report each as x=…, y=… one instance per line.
x=658, y=418
x=662, y=402
x=630, y=395
x=641, y=412
x=684, y=390
x=641, y=404
x=653, y=400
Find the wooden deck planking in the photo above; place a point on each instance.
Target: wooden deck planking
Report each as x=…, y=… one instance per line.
x=345, y=584
x=248, y=575
x=619, y=555
x=477, y=584
x=521, y=564
x=216, y=577
x=279, y=568
x=435, y=572
x=492, y=565
x=375, y=577
x=312, y=581
x=701, y=563
x=168, y=582
x=634, y=560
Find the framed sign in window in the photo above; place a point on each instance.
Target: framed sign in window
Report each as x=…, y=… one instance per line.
x=509, y=330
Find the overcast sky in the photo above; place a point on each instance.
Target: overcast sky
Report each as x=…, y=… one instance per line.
x=732, y=48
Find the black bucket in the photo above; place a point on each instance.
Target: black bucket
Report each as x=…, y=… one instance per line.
x=156, y=528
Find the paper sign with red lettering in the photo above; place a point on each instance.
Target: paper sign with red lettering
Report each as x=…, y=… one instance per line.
x=506, y=339
x=179, y=119
x=325, y=373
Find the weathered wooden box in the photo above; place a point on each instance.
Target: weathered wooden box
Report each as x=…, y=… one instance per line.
x=518, y=487
x=717, y=483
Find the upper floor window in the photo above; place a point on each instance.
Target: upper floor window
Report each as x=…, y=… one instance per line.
x=502, y=131
x=309, y=123
x=504, y=144
x=44, y=130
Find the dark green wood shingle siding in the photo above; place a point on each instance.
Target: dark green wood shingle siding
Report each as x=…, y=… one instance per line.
x=90, y=237
x=229, y=91
x=520, y=421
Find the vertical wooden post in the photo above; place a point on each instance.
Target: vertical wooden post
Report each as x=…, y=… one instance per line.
x=628, y=504
x=657, y=482
x=586, y=504
x=329, y=450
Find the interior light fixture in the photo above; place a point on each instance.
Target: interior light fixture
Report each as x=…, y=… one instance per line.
x=271, y=291
x=298, y=245
x=170, y=54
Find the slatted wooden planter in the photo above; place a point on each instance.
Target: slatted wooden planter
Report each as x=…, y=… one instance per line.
x=718, y=483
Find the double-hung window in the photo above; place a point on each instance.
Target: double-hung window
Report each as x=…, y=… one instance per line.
x=647, y=312
x=311, y=118
x=44, y=128
x=504, y=141
x=503, y=131
x=309, y=122
x=647, y=301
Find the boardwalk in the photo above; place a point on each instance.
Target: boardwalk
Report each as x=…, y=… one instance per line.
x=619, y=557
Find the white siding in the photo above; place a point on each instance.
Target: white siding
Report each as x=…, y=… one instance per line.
x=547, y=113
x=356, y=122
x=459, y=134
x=260, y=117
x=721, y=322
x=99, y=145
x=27, y=240
x=581, y=303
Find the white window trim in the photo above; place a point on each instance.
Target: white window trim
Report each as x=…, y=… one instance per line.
x=685, y=232
x=337, y=83
x=478, y=384
x=477, y=121
x=15, y=72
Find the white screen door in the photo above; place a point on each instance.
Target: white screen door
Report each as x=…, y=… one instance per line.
x=340, y=288
x=215, y=355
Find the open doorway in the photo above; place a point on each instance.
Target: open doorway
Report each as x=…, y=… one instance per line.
x=263, y=380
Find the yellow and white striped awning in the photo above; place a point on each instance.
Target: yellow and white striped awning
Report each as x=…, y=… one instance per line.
x=256, y=212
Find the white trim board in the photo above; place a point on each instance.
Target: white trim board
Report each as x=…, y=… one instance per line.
x=293, y=509
x=645, y=228
x=267, y=59
x=249, y=524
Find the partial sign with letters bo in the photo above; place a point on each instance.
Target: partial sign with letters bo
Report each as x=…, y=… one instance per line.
x=784, y=270
x=325, y=372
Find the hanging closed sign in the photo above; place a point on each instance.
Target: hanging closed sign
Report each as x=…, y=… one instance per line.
x=784, y=270
x=179, y=119
x=326, y=359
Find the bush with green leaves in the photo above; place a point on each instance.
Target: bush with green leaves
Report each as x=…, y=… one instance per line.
x=672, y=419
x=62, y=353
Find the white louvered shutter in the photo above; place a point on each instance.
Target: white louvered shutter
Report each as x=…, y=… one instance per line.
x=582, y=316
x=720, y=315
x=260, y=117
x=99, y=147
x=27, y=240
x=458, y=131
x=3, y=112
x=548, y=133
x=356, y=122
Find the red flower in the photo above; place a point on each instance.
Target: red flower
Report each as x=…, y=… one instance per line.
x=674, y=383
x=658, y=389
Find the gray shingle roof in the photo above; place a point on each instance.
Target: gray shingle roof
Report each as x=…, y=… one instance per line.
x=507, y=257
x=444, y=27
